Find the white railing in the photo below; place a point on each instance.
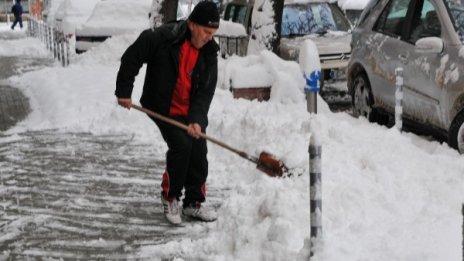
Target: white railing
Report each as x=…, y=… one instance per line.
x=54, y=39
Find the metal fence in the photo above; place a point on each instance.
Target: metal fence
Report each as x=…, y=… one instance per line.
x=54, y=39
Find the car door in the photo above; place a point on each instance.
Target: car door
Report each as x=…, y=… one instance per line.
x=422, y=93
x=383, y=56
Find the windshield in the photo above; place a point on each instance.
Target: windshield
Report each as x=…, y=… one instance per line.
x=312, y=18
x=456, y=9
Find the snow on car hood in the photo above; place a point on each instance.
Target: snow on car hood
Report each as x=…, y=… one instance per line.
x=330, y=43
x=114, y=17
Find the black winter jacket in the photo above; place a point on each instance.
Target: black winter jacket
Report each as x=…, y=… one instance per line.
x=17, y=10
x=159, y=49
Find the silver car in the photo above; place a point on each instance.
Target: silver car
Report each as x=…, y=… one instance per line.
x=425, y=38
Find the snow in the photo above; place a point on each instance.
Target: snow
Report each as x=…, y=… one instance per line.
x=20, y=47
x=112, y=17
x=386, y=195
x=263, y=27
x=352, y=4
x=230, y=29
x=71, y=14
x=309, y=57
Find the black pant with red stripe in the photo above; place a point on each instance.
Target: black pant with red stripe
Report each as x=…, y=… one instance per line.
x=186, y=164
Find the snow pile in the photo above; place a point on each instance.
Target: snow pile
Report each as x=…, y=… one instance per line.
x=264, y=70
x=229, y=28
x=107, y=52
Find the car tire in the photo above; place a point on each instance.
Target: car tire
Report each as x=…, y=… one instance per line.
x=456, y=133
x=362, y=98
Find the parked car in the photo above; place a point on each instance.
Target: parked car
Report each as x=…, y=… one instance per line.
x=112, y=17
x=321, y=21
x=425, y=38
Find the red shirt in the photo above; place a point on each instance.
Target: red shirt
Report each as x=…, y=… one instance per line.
x=181, y=97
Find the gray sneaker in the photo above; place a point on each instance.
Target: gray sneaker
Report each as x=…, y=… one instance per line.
x=199, y=213
x=171, y=211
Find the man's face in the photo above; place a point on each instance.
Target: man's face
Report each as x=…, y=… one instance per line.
x=200, y=34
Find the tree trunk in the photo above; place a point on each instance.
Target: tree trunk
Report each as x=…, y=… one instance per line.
x=266, y=26
x=278, y=6
x=169, y=10
x=163, y=11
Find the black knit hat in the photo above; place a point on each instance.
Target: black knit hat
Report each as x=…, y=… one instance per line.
x=205, y=13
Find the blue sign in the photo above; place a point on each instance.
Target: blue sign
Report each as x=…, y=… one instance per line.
x=312, y=82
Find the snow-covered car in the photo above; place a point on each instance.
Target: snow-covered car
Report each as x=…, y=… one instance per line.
x=425, y=38
x=112, y=17
x=66, y=15
x=322, y=21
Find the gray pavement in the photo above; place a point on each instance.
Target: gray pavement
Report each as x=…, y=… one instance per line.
x=80, y=196
x=77, y=196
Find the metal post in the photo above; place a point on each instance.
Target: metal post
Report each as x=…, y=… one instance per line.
x=47, y=36
x=315, y=187
x=29, y=27
x=59, y=51
x=62, y=54
x=66, y=44
x=50, y=38
x=311, y=90
x=399, y=99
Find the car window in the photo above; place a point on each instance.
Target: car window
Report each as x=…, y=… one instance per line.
x=311, y=18
x=456, y=10
x=229, y=14
x=392, y=20
x=241, y=14
x=236, y=13
x=425, y=22
x=372, y=5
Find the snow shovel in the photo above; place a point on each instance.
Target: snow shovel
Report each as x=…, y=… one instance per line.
x=266, y=162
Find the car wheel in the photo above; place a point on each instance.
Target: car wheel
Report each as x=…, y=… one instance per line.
x=456, y=133
x=362, y=98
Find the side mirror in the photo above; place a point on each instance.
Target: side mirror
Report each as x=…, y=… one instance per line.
x=429, y=45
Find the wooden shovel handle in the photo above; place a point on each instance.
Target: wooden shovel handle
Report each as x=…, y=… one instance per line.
x=202, y=135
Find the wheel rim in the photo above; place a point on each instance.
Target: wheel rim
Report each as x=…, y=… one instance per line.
x=361, y=99
x=460, y=139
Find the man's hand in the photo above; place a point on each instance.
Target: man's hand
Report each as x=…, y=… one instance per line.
x=125, y=102
x=194, y=130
